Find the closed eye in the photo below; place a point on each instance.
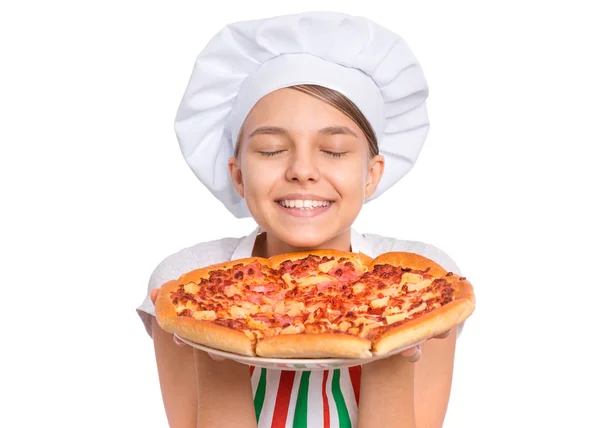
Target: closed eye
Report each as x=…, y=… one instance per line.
x=269, y=154
x=335, y=154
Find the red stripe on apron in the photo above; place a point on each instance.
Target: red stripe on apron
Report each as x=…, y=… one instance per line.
x=251, y=370
x=355, y=379
x=326, y=417
x=282, y=403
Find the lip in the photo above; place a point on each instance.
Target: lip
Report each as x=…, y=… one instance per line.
x=302, y=197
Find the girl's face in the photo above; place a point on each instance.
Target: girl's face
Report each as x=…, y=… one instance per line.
x=298, y=151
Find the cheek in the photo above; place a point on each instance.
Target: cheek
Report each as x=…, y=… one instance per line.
x=350, y=178
x=258, y=178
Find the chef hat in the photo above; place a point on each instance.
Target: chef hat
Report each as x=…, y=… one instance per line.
x=369, y=64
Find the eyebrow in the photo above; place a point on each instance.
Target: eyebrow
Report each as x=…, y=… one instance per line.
x=275, y=130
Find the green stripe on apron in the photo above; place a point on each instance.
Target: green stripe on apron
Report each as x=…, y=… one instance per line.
x=301, y=411
x=340, y=404
x=259, y=397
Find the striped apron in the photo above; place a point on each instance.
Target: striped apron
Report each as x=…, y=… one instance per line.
x=309, y=399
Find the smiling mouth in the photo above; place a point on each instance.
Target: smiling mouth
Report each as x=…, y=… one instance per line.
x=304, y=204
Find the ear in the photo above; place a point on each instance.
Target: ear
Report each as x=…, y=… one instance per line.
x=236, y=175
x=374, y=174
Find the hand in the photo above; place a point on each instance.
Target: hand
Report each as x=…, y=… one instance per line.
x=413, y=354
x=153, y=296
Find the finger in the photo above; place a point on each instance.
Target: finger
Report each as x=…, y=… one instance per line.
x=154, y=295
x=443, y=335
x=178, y=341
x=412, y=354
x=216, y=357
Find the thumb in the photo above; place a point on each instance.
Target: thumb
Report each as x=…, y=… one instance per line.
x=154, y=295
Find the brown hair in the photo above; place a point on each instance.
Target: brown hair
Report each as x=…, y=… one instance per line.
x=343, y=104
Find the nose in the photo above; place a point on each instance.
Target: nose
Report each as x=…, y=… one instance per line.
x=302, y=167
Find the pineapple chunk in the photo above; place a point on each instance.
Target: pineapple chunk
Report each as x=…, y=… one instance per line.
x=191, y=304
x=428, y=295
x=230, y=291
x=205, y=315
x=311, y=280
x=280, y=307
x=191, y=288
x=389, y=291
x=180, y=308
x=380, y=303
x=294, y=309
x=326, y=267
x=391, y=310
x=266, y=309
x=287, y=278
x=238, y=312
x=410, y=277
x=358, y=288
x=290, y=329
x=344, y=326
x=391, y=319
x=420, y=285
x=399, y=317
x=258, y=325
x=368, y=327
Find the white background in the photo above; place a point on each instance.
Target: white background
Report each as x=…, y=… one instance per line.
x=95, y=193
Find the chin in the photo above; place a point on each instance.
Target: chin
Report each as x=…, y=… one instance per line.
x=308, y=238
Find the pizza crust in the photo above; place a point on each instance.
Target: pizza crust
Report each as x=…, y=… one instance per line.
x=203, y=273
x=199, y=331
x=360, y=260
x=323, y=345
x=318, y=345
x=431, y=324
x=411, y=260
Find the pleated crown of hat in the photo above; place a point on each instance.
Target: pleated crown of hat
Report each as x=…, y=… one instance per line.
x=369, y=64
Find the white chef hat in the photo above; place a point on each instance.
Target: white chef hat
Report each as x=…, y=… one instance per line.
x=369, y=64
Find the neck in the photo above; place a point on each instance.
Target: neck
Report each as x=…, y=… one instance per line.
x=268, y=245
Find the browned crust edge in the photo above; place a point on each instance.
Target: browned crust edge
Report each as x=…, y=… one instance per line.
x=203, y=332
x=431, y=324
x=203, y=273
x=209, y=334
x=317, y=345
x=360, y=259
x=409, y=260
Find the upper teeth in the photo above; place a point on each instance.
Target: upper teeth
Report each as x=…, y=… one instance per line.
x=299, y=203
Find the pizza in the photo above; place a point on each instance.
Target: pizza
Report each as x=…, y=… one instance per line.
x=315, y=304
